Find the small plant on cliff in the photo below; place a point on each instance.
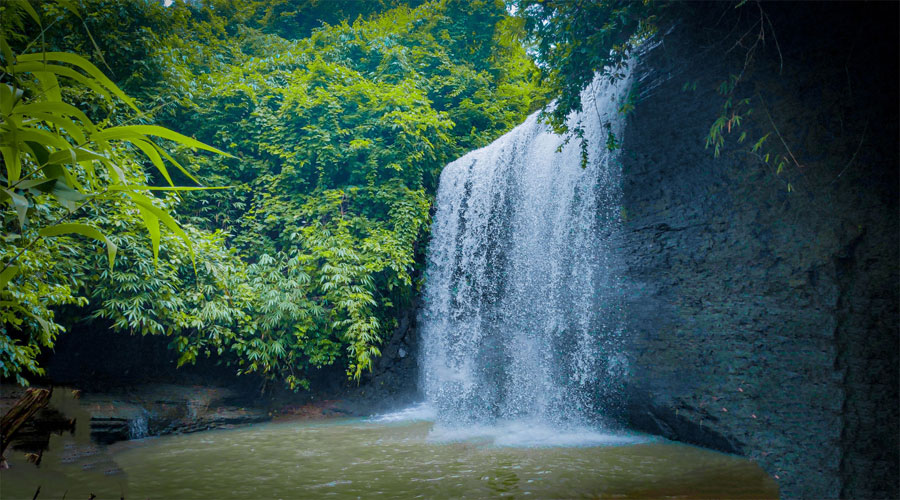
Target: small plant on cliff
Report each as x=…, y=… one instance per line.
x=573, y=41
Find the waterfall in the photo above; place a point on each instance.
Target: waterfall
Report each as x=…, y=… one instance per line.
x=522, y=318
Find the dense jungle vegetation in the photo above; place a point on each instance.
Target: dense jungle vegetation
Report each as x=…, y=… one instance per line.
x=327, y=136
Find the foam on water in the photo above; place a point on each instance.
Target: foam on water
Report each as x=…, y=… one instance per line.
x=531, y=434
x=511, y=433
x=421, y=411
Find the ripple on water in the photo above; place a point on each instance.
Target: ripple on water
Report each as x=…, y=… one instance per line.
x=396, y=459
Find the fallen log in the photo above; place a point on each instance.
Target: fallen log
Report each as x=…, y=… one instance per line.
x=25, y=408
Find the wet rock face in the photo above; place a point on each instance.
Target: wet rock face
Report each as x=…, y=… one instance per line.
x=394, y=380
x=131, y=413
x=764, y=322
x=158, y=409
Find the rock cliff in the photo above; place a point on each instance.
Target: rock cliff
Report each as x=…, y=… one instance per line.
x=763, y=319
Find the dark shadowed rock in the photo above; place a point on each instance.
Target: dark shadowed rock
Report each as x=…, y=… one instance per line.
x=764, y=322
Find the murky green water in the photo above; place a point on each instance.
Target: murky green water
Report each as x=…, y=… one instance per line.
x=356, y=458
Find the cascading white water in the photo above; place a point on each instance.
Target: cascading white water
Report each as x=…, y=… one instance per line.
x=522, y=320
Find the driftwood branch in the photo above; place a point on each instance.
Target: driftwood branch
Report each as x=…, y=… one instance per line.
x=24, y=409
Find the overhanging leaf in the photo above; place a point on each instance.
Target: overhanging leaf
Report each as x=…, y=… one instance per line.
x=13, y=161
x=64, y=71
x=20, y=203
x=147, y=204
x=86, y=66
x=6, y=275
x=151, y=221
x=129, y=132
x=84, y=230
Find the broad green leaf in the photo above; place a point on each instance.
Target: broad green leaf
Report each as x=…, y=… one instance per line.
x=13, y=162
x=26, y=6
x=49, y=86
x=64, y=71
x=5, y=51
x=7, y=98
x=129, y=132
x=61, y=122
x=54, y=171
x=36, y=184
x=59, y=108
x=84, y=230
x=41, y=137
x=163, y=216
x=73, y=155
x=153, y=154
x=38, y=151
x=71, y=7
x=86, y=66
x=20, y=203
x=151, y=221
x=6, y=275
x=173, y=161
x=63, y=193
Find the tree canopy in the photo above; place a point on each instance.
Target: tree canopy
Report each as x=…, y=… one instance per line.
x=335, y=132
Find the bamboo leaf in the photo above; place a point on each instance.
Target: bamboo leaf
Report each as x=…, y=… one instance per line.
x=129, y=132
x=60, y=108
x=172, y=160
x=64, y=71
x=49, y=85
x=61, y=122
x=84, y=230
x=151, y=222
x=153, y=154
x=7, y=98
x=26, y=6
x=5, y=51
x=73, y=155
x=146, y=203
x=760, y=142
x=13, y=162
x=41, y=137
x=6, y=275
x=39, y=184
x=64, y=193
x=38, y=151
x=20, y=203
x=86, y=66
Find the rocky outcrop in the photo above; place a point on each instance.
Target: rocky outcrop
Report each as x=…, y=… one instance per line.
x=393, y=382
x=159, y=409
x=764, y=320
x=135, y=412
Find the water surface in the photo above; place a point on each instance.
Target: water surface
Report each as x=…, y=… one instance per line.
x=381, y=459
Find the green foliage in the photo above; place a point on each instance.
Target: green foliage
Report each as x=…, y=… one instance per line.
x=338, y=139
x=296, y=19
x=574, y=40
x=737, y=107
x=58, y=163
